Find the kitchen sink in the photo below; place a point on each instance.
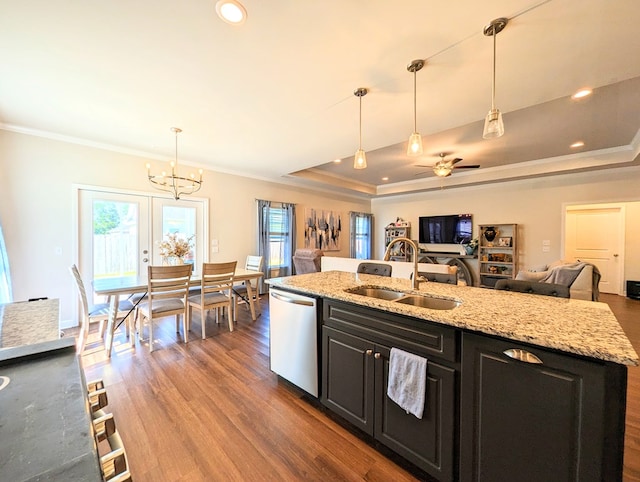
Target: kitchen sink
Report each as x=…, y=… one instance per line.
x=429, y=302
x=380, y=293
x=421, y=301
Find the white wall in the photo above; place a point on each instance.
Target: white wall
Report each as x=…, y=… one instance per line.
x=36, y=208
x=537, y=206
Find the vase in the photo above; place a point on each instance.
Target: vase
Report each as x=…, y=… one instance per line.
x=172, y=261
x=490, y=233
x=470, y=250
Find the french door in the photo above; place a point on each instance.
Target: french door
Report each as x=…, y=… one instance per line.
x=119, y=232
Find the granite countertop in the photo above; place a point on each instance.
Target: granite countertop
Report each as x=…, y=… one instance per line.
x=580, y=327
x=28, y=322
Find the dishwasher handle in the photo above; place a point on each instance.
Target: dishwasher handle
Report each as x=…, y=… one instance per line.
x=294, y=301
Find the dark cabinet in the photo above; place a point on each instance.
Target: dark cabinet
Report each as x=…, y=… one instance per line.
x=355, y=373
x=541, y=416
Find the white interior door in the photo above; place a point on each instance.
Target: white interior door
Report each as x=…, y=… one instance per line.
x=595, y=234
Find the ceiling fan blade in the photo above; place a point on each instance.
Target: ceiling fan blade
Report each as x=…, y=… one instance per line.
x=475, y=166
x=420, y=165
x=456, y=160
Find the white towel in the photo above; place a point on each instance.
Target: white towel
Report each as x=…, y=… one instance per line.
x=407, y=384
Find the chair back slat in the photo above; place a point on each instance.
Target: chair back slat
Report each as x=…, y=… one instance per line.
x=169, y=281
x=254, y=263
x=81, y=290
x=217, y=277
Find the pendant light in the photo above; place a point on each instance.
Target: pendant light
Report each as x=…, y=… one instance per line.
x=360, y=159
x=414, y=148
x=493, y=125
x=174, y=183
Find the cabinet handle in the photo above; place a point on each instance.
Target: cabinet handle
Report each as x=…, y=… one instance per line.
x=369, y=352
x=377, y=356
x=522, y=355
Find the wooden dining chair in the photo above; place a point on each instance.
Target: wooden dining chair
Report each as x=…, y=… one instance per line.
x=252, y=263
x=215, y=292
x=167, y=292
x=95, y=313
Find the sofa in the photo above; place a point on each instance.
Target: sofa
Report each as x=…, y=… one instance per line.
x=580, y=277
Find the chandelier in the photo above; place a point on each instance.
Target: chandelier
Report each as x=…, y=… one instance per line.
x=174, y=183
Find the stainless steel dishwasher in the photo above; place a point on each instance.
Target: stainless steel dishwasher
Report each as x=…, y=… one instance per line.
x=293, y=335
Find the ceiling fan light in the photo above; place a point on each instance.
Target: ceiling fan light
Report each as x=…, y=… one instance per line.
x=441, y=169
x=360, y=160
x=493, y=125
x=414, y=148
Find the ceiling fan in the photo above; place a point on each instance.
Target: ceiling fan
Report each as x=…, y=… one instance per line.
x=443, y=168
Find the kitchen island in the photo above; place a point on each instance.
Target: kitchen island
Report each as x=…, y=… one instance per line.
x=518, y=385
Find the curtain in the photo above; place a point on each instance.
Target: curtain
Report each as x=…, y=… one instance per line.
x=5, y=278
x=276, y=237
x=360, y=235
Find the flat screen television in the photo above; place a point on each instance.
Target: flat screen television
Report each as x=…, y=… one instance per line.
x=448, y=229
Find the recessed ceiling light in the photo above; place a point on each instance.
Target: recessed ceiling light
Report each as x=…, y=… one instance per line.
x=575, y=145
x=337, y=161
x=231, y=11
x=385, y=178
x=582, y=93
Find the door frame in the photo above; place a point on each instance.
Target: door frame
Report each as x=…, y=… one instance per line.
x=75, y=206
x=620, y=289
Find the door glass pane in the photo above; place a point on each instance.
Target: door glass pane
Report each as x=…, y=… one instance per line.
x=181, y=221
x=115, y=238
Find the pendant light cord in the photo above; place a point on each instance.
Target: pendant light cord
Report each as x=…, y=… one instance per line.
x=415, y=117
x=360, y=136
x=493, y=84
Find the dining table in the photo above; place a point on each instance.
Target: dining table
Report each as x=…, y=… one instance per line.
x=115, y=287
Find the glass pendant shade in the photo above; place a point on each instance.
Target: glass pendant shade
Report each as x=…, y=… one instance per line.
x=360, y=160
x=493, y=125
x=414, y=148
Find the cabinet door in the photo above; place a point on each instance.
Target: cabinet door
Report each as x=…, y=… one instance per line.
x=347, y=377
x=427, y=442
x=534, y=422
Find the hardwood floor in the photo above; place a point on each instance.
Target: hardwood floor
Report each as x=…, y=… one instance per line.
x=212, y=410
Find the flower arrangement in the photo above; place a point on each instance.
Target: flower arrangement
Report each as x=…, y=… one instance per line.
x=175, y=246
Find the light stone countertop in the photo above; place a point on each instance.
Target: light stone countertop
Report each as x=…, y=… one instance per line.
x=29, y=322
x=580, y=327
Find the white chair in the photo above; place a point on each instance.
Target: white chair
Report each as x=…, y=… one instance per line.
x=215, y=292
x=95, y=313
x=252, y=263
x=167, y=292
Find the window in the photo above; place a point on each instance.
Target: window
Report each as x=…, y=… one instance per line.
x=361, y=242
x=277, y=237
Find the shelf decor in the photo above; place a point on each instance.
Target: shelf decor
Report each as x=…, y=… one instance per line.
x=498, y=256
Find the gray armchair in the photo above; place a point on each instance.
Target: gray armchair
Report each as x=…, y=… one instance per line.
x=307, y=260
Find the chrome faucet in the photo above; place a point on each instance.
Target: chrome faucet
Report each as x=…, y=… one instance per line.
x=414, y=246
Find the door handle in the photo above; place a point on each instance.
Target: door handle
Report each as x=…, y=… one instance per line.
x=369, y=352
x=615, y=255
x=522, y=355
x=377, y=356
x=145, y=260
